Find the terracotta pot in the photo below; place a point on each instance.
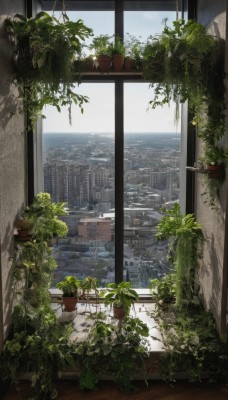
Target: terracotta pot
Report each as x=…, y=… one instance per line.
x=215, y=171
x=88, y=64
x=104, y=63
x=119, y=312
x=128, y=64
x=23, y=235
x=117, y=62
x=69, y=303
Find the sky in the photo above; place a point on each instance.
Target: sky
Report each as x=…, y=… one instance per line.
x=98, y=116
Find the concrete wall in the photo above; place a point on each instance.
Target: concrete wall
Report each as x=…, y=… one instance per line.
x=13, y=182
x=213, y=266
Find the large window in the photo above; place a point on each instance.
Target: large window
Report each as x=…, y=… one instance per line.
x=116, y=165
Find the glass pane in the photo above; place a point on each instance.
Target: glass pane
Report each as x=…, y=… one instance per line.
x=151, y=181
x=151, y=162
x=145, y=23
x=78, y=162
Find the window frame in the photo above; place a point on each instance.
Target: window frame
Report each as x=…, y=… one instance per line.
x=188, y=142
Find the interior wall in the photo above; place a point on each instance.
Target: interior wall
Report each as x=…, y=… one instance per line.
x=213, y=265
x=13, y=183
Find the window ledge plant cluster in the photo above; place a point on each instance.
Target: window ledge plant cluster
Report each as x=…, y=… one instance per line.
x=40, y=345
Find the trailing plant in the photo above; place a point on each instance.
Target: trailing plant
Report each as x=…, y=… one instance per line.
x=107, y=350
x=185, y=63
x=43, y=351
x=46, y=48
x=44, y=215
x=183, y=233
x=34, y=263
x=185, y=51
x=191, y=344
x=214, y=155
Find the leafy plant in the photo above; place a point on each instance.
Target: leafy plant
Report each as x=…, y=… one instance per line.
x=107, y=350
x=117, y=47
x=186, y=63
x=191, y=344
x=120, y=295
x=183, y=233
x=44, y=352
x=134, y=49
x=101, y=45
x=44, y=213
x=164, y=289
x=46, y=48
x=214, y=155
x=70, y=286
x=89, y=284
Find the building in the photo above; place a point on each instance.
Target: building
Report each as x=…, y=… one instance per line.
x=19, y=178
x=95, y=229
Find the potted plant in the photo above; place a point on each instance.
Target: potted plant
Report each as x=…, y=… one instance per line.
x=133, y=52
x=23, y=226
x=121, y=297
x=215, y=158
x=118, y=52
x=44, y=59
x=44, y=215
x=70, y=287
x=102, y=47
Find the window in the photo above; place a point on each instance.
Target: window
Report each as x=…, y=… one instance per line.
x=117, y=164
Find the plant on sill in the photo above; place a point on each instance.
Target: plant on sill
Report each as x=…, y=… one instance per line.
x=101, y=45
x=89, y=284
x=70, y=287
x=163, y=290
x=121, y=296
x=184, y=234
x=46, y=49
x=133, y=50
x=118, y=53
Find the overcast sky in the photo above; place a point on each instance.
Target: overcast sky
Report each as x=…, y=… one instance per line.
x=98, y=114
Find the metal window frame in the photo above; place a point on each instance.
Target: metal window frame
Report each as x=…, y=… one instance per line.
x=119, y=6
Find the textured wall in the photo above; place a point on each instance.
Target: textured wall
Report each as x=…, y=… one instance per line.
x=212, y=14
x=12, y=164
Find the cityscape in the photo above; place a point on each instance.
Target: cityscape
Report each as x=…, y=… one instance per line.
x=79, y=169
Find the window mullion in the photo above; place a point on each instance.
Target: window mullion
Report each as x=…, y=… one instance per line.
x=119, y=180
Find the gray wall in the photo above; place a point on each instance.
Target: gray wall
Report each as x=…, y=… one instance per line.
x=12, y=165
x=213, y=266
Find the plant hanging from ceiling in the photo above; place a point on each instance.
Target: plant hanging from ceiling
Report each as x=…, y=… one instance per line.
x=187, y=64
x=46, y=49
